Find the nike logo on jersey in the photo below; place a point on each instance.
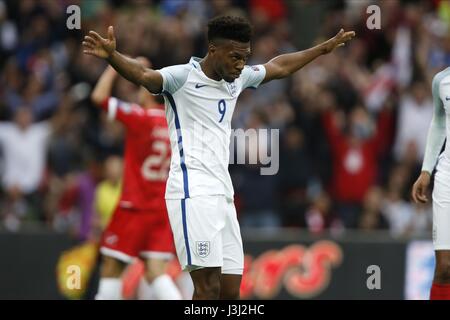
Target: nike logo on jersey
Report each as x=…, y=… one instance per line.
x=198, y=85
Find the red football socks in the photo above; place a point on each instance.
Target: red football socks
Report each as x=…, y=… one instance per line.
x=440, y=292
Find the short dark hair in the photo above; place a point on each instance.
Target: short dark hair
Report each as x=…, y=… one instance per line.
x=229, y=27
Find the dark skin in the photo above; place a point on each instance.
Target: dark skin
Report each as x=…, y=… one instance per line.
x=225, y=60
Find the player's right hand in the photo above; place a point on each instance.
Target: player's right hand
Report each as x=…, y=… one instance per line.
x=420, y=188
x=97, y=46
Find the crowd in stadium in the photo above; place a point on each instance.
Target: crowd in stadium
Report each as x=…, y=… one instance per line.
x=353, y=124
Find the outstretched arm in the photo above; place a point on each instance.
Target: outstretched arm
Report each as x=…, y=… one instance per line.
x=129, y=68
x=286, y=64
x=103, y=88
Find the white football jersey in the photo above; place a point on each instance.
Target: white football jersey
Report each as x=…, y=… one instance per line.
x=440, y=125
x=199, y=111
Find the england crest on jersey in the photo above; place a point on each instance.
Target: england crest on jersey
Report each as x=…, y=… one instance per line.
x=203, y=248
x=232, y=88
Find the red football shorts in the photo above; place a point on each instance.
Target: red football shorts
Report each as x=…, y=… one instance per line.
x=138, y=233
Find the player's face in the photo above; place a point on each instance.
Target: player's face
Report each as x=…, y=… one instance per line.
x=231, y=57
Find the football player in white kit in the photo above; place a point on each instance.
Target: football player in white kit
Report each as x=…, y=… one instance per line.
x=438, y=132
x=200, y=97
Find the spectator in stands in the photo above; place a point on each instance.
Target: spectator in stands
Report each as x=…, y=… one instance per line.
x=24, y=146
x=415, y=111
x=320, y=217
x=356, y=149
x=371, y=216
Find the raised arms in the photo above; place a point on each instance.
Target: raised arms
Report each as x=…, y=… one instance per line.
x=129, y=68
x=286, y=64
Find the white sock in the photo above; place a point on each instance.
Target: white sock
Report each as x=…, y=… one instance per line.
x=186, y=286
x=109, y=289
x=165, y=289
x=145, y=290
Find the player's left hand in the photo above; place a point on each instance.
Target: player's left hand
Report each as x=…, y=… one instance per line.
x=420, y=188
x=339, y=40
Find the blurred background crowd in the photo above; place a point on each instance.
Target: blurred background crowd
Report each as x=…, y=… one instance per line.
x=353, y=124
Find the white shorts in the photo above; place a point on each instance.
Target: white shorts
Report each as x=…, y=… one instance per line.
x=206, y=233
x=441, y=206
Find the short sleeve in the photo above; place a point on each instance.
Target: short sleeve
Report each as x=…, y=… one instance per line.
x=437, y=131
x=252, y=76
x=174, y=77
x=130, y=114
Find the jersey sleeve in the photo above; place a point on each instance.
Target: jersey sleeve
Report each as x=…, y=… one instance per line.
x=436, y=132
x=252, y=76
x=130, y=114
x=174, y=77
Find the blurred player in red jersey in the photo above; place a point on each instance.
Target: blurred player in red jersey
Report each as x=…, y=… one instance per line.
x=139, y=226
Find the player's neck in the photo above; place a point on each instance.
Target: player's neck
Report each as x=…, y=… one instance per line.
x=208, y=70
